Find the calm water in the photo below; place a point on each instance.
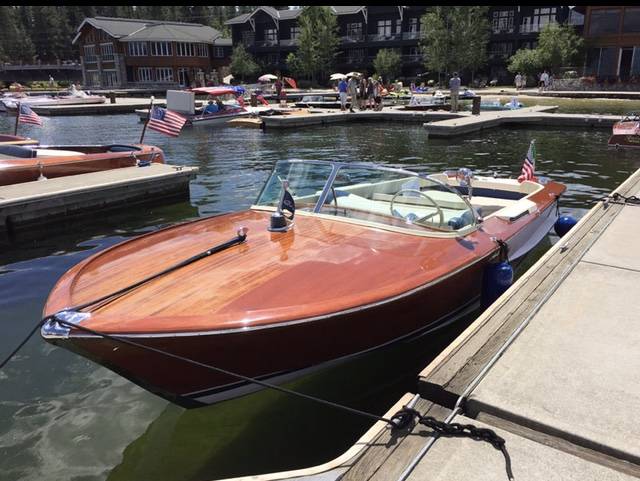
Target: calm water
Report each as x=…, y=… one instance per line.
x=63, y=417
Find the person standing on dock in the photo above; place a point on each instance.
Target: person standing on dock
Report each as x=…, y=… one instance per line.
x=342, y=89
x=518, y=81
x=454, y=88
x=352, y=91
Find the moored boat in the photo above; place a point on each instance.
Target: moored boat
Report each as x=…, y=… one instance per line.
x=28, y=163
x=6, y=139
x=626, y=132
x=70, y=97
x=375, y=256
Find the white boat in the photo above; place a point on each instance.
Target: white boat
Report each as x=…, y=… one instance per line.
x=67, y=97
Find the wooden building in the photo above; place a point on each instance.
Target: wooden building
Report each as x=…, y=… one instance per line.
x=612, y=35
x=132, y=53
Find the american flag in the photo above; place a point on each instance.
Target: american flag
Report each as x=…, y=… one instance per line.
x=529, y=165
x=166, y=121
x=28, y=116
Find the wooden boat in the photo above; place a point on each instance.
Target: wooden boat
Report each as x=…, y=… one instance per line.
x=25, y=164
x=626, y=132
x=16, y=140
x=374, y=256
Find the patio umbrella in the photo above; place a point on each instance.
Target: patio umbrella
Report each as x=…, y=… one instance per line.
x=337, y=76
x=291, y=82
x=267, y=78
x=354, y=74
x=227, y=79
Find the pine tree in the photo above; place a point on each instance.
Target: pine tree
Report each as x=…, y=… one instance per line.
x=14, y=38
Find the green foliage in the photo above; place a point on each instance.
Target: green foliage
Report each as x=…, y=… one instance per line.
x=455, y=38
x=526, y=61
x=559, y=46
x=318, y=43
x=387, y=63
x=15, y=44
x=242, y=63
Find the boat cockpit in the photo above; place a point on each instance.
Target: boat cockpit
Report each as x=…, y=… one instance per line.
x=450, y=203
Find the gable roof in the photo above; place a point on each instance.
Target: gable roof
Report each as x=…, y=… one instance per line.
x=291, y=13
x=130, y=30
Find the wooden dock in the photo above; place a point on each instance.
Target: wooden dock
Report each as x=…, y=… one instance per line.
x=122, y=105
x=36, y=205
x=552, y=367
x=538, y=115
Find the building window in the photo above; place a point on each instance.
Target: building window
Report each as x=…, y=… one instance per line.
x=93, y=77
x=384, y=28
x=413, y=25
x=90, y=53
x=354, y=31
x=576, y=18
x=414, y=53
x=355, y=55
x=109, y=78
x=248, y=37
x=295, y=33
x=218, y=52
x=202, y=50
x=635, y=63
x=631, y=23
x=602, y=62
x=184, y=49
x=273, y=59
x=271, y=36
x=137, y=49
x=106, y=51
x=604, y=21
x=160, y=49
x=540, y=19
x=502, y=21
x=501, y=49
x=398, y=26
x=164, y=74
x=145, y=74
x=183, y=76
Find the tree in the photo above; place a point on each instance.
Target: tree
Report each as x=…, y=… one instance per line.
x=455, y=38
x=242, y=63
x=387, y=63
x=318, y=43
x=15, y=43
x=559, y=46
x=525, y=61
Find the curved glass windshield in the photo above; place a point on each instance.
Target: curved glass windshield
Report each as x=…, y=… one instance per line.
x=373, y=194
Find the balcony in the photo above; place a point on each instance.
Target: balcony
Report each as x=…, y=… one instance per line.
x=353, y=38
x=502, y=31
x=289, y=42
x=384, y=37
x=265, y=43
x=412, y=35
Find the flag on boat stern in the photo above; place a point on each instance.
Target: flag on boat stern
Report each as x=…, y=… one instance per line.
x=288, y=203
x=529, y=165
x=166, y=122
x=28, y=116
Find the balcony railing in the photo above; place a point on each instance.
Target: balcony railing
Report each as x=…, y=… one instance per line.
x=289, y=42
x=498, y=31
x=353, y=38
x=383, y=37
x=265, y=43
x=412, y=35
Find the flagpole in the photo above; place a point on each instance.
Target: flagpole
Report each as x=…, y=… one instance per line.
x=144, y=129
x=15, y=130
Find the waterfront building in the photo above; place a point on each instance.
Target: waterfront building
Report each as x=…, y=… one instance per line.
x=612, y=34
x=270, y=34
x=122, y=52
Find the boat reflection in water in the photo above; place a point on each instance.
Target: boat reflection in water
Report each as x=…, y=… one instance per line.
x=376, y=257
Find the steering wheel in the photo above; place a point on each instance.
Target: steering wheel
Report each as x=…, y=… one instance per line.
x=410, y=220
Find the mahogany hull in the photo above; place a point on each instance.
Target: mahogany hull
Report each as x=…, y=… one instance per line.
x=15, y=171
x=624, y=141
x=278, y=305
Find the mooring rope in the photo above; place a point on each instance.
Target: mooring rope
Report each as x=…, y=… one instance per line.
x=620, y=199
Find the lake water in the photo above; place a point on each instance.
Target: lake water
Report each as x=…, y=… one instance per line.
x=63, y=417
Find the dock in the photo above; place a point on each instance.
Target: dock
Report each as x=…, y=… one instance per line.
x=36, y=205
x=122, y=105
x=552, y=367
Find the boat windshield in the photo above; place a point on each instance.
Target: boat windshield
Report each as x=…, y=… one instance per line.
x=372, y=194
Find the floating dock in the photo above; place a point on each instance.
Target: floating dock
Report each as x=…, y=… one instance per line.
x=35, y=205
x=122, y=105
x=552, y=367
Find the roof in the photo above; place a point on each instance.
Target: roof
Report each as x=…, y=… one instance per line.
x=129, y=30
x=291, y=13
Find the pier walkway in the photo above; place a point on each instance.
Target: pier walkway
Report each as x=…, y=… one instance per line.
x=36, y=205
x=552, y=367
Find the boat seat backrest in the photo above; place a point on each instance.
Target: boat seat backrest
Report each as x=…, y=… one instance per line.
x=18, y=151
x=122, y=148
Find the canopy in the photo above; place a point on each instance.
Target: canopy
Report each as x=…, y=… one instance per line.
x=354, y=74
x=337, y=76
x=219, y=90
x=227, y=79
x=267, y=78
